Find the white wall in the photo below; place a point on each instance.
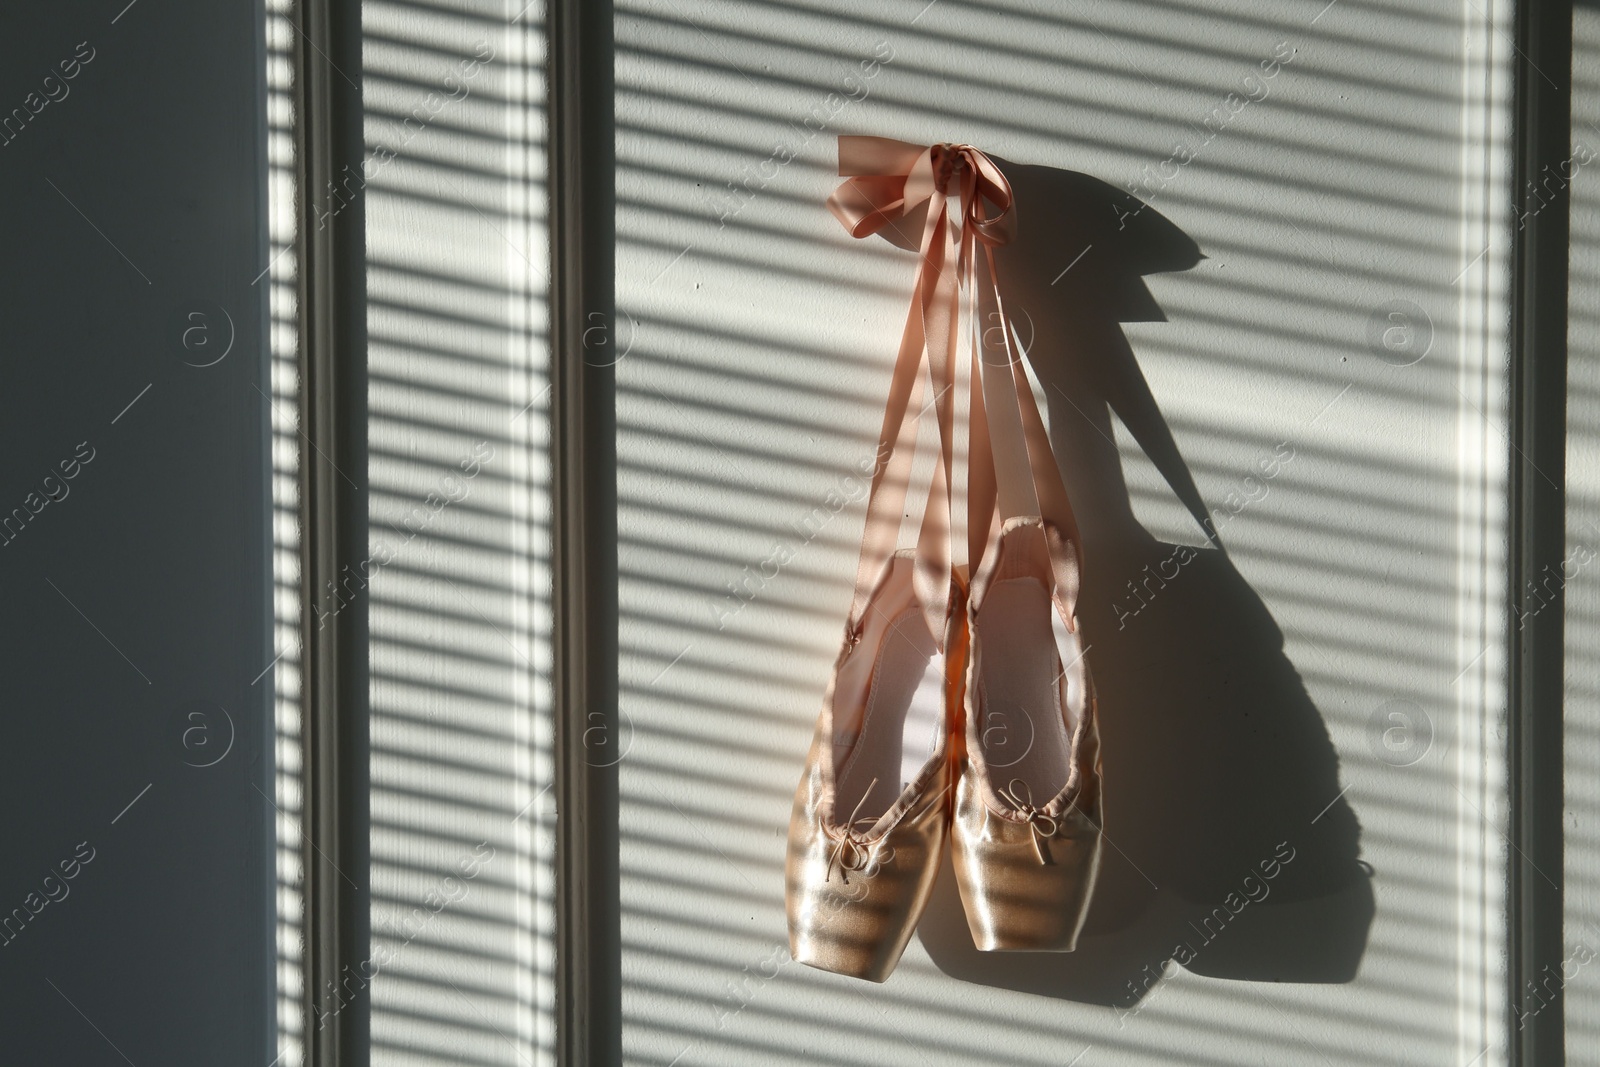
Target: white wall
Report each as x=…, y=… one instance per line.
x=1578, y=985
x=1246, y=698
x=457, y=393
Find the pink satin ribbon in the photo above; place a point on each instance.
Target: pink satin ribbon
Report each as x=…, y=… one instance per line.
x=1011, y=470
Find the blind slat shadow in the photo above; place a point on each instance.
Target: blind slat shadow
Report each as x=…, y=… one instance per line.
x=748, y=388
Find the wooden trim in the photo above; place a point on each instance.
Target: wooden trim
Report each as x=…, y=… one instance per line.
x=1537, y=414
x=333, y=533
x=583, y=535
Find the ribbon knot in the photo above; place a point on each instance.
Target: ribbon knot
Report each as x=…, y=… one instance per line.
x=1043, y=826
x=888, y=180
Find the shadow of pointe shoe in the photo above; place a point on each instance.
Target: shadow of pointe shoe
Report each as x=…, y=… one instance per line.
x=1229, y=846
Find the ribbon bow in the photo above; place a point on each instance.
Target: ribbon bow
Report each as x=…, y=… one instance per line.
x=890, y=179
x=1043, y=826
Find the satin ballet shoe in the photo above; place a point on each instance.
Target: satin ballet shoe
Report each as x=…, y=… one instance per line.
x=872, y=812
x=1027, y=808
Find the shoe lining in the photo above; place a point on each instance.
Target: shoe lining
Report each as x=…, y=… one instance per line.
x=1027, y=702
x=900, y=726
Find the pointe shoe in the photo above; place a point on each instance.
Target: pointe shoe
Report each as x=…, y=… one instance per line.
x=1027, y=809
x=1027, y=822
x=872, y=812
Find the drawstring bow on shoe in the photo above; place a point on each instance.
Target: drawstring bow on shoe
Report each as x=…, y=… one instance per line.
x=852, y=851
x=1043, y=826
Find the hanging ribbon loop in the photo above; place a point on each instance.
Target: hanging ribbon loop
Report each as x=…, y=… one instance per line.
x=888, y=181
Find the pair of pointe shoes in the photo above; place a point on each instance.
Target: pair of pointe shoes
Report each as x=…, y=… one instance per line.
x=955, y=709
x=993, y=743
